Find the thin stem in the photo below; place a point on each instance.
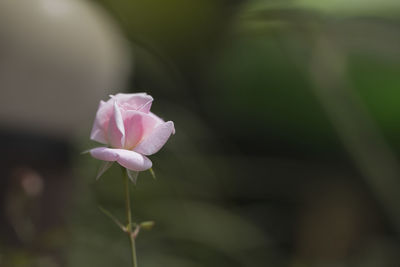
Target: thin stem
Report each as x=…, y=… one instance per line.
x=113, y=218
x=129, y=216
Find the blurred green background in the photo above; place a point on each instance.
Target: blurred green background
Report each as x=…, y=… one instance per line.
x=285, y=154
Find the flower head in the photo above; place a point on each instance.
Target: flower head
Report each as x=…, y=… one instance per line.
x=130, y=130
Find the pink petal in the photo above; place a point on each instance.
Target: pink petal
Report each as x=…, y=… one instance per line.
x=116, y=129
x=104, y=153
x=128, y=159
x=133, y=128
x=98, y=135
x=145, y=107
x=156, y=139
x=103, y=114
x=137, y=126
x=139, y=101
x=133, y=161
x=158, y=119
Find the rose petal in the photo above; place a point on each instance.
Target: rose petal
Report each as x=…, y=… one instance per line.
x=104, y=153
x=98, y=135
x=156, y=139
x=138, y=125
x=103, y=114
x=159, y=120
x=128, y=159
x=139, y=101
x=133, y=161
x=116, y=129
x=133, y=128
x=146, y=107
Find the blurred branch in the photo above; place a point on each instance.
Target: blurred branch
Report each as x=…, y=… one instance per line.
x=113, y=218
x=283, y=14
x=379, y=35
x=358, y=132
x=262, y=21
x=168, y=64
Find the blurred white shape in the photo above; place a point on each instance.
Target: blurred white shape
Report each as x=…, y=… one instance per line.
x=58, y=58
x=55, y=8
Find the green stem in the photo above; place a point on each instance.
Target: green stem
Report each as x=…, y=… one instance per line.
x=129, y=216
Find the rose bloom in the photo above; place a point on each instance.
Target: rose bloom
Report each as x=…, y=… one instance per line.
x=130, y=130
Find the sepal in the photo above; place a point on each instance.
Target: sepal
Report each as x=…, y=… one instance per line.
x=153, y=174
x=85, y=151
x=133, y=175
x=103, y=168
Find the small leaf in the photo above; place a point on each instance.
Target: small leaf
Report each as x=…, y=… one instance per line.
x=113, y=218
x=147, y=225
x=153, y=174
x=103, y=168
x=85, y=152
x=133, y=175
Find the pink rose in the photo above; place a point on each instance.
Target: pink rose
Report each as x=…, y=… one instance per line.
x=131, y=131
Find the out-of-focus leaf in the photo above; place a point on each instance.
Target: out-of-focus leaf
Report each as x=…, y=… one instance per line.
x=354, y=7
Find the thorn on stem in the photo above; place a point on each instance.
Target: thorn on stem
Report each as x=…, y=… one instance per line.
x=135, y=233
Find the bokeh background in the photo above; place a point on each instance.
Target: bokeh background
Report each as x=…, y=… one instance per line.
x=287, y=131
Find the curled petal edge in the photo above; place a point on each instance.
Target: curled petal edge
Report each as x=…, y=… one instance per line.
x=131, y=160
x=156, y=139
